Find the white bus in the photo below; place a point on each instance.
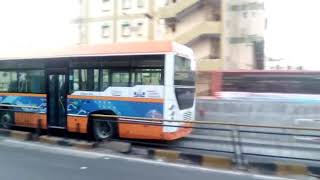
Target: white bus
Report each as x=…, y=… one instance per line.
x=62, y=89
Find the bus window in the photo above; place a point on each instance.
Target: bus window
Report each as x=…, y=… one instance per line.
x=96, y=84
x=120, y=79
x=8, y=81
x=76, y=80
x=183, y=75
x=86, y=80
x=148, y=77
x=31, y=81
x=105, y=79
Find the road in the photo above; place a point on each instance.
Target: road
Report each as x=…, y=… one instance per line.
x=26, y=160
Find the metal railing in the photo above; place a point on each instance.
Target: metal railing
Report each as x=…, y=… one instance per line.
x=232, y=143
x=239, y=146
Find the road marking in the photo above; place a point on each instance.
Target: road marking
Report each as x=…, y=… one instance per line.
x=83, y=167
x=90, y=154
x=106, y=158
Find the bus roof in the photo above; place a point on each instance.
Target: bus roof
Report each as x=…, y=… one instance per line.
x=151, y=47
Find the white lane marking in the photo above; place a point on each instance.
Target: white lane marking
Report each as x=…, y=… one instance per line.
x=50, y=148
x=88, y=154
x=83, y=167
x=106, y=158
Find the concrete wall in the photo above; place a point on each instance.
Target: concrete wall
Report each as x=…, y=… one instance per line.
x=259, y=112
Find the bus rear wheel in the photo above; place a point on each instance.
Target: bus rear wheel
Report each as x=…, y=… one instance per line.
x=6, y=121
x=103, y=129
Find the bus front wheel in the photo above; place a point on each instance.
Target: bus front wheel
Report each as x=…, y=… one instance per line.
x=103, y=129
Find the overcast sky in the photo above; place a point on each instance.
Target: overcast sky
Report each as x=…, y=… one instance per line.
x=293, y=31
x=35, y=23
x=293, y=27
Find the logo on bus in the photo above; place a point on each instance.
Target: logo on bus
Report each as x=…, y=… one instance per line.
x=139, y=93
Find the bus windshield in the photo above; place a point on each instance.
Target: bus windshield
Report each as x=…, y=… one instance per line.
x=183, y=76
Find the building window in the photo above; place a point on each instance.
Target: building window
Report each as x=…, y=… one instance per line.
x=173, y=28
x=140, y=3
x=105, y=31
x=140, y=29
x=125, y=30
x=126, y=4
x=106, y=5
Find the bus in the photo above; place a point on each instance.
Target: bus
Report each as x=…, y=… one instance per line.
x=64, y=88
x=294, y=85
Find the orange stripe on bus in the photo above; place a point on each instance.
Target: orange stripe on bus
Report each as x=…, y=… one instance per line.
x=131, y=99
x=77, y=124
x=23, y=94
x=30, y=119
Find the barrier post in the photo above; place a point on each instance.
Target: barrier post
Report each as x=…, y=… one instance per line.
x=237, y=148
x=78, y=132
x=38, y=130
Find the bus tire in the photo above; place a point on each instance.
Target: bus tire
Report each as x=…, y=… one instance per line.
x=103, y=129
x=6, y=121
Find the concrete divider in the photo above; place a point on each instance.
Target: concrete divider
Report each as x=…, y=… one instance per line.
x=121, y=147
x=20, y=135
x=209, y=161
x=67, y=142
x=283, y=169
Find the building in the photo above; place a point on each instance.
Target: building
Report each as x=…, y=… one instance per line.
x=244, y=29
x=225, y=34
x=112, y=21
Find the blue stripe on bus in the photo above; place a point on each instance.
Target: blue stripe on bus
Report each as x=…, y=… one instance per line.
x=86, y=106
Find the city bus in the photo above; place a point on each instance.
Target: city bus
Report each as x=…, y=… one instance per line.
x=64, y=88
x=288, y=85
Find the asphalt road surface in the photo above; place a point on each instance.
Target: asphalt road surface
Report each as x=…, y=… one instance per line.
x=33, y=161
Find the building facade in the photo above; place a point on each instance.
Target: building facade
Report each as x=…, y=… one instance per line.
x=244, y=29
x=225, y=34
x=112, y=21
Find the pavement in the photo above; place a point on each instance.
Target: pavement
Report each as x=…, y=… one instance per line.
x=36, y=161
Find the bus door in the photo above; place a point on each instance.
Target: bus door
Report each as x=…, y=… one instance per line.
x=57, y=98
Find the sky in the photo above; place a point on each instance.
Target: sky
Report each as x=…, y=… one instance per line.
x=292, y=33
x=35, y=24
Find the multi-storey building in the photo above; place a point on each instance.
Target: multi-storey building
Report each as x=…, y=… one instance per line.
x=224, y=34
x=112, y=21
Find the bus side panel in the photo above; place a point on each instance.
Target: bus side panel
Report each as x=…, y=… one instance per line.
x=144, y=109
x=77, y=124
x=119, y=107
x=29, y=117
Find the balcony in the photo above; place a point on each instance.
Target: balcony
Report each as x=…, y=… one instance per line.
x=205, y=28
x=209, y=64
x=174, y=10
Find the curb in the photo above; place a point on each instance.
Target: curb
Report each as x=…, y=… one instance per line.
x=25, y=136
x=283, y=169
x=67, y=142
x=209, y=161
x=227, y=163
